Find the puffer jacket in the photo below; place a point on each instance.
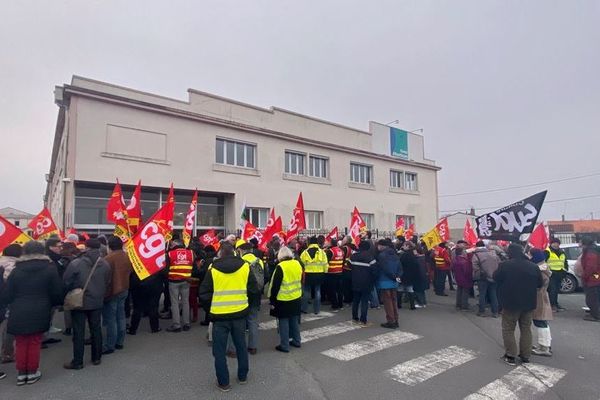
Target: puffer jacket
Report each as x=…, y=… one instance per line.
x=590, y=266
x=389, y=269
x=100, y=282
x=485, y=264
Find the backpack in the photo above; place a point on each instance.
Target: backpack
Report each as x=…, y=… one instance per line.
x=259, y=273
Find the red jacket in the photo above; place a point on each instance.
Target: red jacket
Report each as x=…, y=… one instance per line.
x=442, y=258
x=590, y=264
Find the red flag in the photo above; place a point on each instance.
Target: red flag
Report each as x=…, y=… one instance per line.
x=357, y=226
x=399, y=227
x=410, y=232
x=250, y=231
x=469, y=234
x=270, y=230
x=10, y=234
x=169, y=212
x=43, y=225
x=208, y=237
x=134, y=209
x=539, y=238
x=147, y=249
x=298, y=222
x=443, y=229
x=116, y=205
x=189, y=220
x=332, y=235
x=122, y=230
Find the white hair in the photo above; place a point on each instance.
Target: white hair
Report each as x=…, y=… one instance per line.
x=284, y=253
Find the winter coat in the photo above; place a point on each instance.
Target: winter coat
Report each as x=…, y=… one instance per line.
x=282, y=309
x=61, y=262
x=422, y=283
x=411, y=274
x=590, y=266
x=100, y=282
x=543, y=310
x=518, y=281
x=389, y=268
x=463, y=271
x=120, y=268
x=226, y=265
x=7, y=264
x=485, y=263
x=364, y=270
x=32, y=289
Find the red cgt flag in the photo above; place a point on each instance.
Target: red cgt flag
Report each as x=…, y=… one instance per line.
x=10, y=234
x=116, y=205
x=332, y=235
x=270, y=230
x=189, y=220
x=399, y=227
x=134, y=208
x=539, y=237
x=43, y=225
x=443, y=229
x=147, y=249
x=298, y=222
x=357, y=226
x=469, y=234
x=410, y=232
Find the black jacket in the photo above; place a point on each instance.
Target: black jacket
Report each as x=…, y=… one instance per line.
x=364, y=270
x=411, y=269
x=100, y=283
x=518, y=281
x=226, y=265
x=32, y=289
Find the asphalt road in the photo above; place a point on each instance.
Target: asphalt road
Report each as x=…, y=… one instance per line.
x=437, y=353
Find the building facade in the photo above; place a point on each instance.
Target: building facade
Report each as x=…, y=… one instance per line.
x=234, y=154
x=18, y=218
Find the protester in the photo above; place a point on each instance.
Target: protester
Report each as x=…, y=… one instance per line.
x=335, y=258
x=146, y=298
x=257, y=268
x=92, y=268
x=69, y=252
x=590, y=268
x=518, y=281
x=463, y=272
x=54, y=248
x=442, y=266
x=113, y=312
x=32, y=289
x=364, y=273
x=227, y=287
x=485, y=263
x=315, y=268
x=180, y=263
x=7, y=264
x=543, y=310
x=421, y=284
x=557, y=262
x=410, y=275
x=285, y=296
x=348, y=248
x=389, y=273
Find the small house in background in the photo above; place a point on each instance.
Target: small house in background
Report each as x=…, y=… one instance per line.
x=456, y=222
x=573, y=231
x=18, y=218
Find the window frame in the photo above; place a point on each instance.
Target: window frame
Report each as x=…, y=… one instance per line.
x=300, y=162
x=361, y=169
x=309, y=215
x=248, y=152
x=408, y=187
x=399, y=179
x=323, y=162
x=259, y=210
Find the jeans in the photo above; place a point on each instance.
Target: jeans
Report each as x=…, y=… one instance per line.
x=554, y=286
x=306, y=290
x=389, y=297
x=252, y=325
x=488, y=290
x=179, y=290
x=362, y=298
x=93, y=317
x=509, y=323
x=221, y=331
x=421, y=298
x=439, y=284
x=113, y=319
x=145, y=302
x=374, y=298
x=592, y=300
x=462, y=297
x=28, y=353
x=336, y=292
x=289, y=327
x=347, y=286
x=7, y=343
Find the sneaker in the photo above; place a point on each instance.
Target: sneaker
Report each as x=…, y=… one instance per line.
x=481, y=314
x=224, y=388
x=494, y=315
x=389, y=325
x=105, y=352
x=542, y=351
x=186, y=327
x=586, y=309
x=54, y=329
x=7, y=359
x=281, y=349
x=243, y=381
x=173, y=329
x=52, y=341
x=21, y=379
x=119, y=346
x=96, y=362
x=294, y=344
x=67, y=332
x=509, y=360
x=70, y=365
x=590, y=318
x=524, y=360
x=561, y=308
x=365, y=324
x=2, y=375
x=155, y=331
x=356, y=322
x=33, y=378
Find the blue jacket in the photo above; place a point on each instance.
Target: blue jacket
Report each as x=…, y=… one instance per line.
x=390, y=268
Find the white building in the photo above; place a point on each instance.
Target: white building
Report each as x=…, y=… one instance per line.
x=18, y=218
x=232, y=152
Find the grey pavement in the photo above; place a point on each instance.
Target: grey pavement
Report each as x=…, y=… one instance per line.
x=180, y=365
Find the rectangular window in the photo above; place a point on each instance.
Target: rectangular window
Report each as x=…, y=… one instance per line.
x=408, y=220
x=360, y=173
x=258, y=216
x=229, y=152
x=294, y=163
x=318, y=167
x=314, y=219
x=369, y=220
x=396, y=179
x=17, y=223
x=410, y=181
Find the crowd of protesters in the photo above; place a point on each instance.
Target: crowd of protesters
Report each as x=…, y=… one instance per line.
x=222, y=288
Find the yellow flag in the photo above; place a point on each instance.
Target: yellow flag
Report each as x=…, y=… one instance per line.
x=432, y=239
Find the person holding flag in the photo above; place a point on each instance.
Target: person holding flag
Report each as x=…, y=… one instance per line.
x=315, y=268
x=180, y=262
x=336, y=259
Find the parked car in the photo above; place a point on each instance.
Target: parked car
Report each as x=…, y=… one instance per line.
x=571, y=282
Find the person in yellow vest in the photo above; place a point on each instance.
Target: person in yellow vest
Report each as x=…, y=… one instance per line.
x=227, y=287
x=180, y=262
x=285, y=295
x=557, y=262
x=335, y=258
x=315, y=268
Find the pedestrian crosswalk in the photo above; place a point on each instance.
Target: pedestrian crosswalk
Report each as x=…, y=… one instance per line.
x=272, y=324
x=328, y=330
x=374, y=344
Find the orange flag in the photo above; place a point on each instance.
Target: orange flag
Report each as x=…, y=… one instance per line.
x=43, y=225
x=10, y=234
x=134, y=208
x=189, y=220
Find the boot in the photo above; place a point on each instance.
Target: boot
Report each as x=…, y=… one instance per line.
x=411, y=300
x=399, y=300
x=543, y=351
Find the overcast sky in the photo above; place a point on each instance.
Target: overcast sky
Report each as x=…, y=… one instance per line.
x=507, y=92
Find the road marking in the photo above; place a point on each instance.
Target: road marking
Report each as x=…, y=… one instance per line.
x=329, y=330
x=524, y=382
x=263, y=326
x=423, y=368
x=377, y=343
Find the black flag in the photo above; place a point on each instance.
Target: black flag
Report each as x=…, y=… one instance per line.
x=510, y=222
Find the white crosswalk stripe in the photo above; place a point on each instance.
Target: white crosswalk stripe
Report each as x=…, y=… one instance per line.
x=524, y=382
x=272, y=324
x=423, y=368
x=374, y=344
x=328, y=330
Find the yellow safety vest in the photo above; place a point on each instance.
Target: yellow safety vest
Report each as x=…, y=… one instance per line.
x=249, y=258
x=291, y=284
x=555, y=262
x=316, y=265
x=230, y=293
